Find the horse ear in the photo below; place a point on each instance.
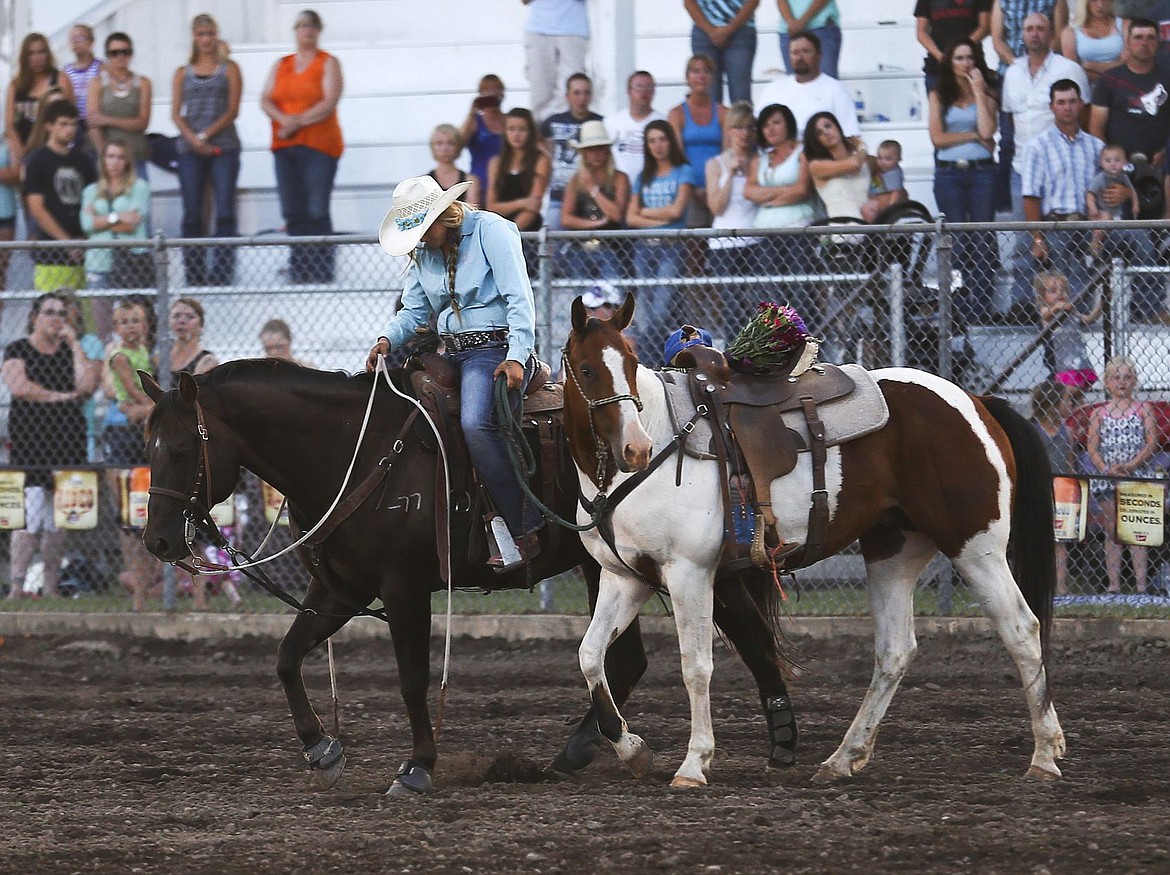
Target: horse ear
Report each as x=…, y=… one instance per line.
x=152, y=389
x=188, y=388
x=624, y=314
x=580, y=317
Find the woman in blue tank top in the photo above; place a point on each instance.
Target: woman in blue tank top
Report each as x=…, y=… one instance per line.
x=1094, y=38
x=205, y=100
x=698, y=121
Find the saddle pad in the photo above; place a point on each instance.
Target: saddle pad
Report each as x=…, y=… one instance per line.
x=682, y=407
x=857, y=414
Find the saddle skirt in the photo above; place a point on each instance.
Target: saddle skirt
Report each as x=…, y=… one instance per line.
x=861, y=412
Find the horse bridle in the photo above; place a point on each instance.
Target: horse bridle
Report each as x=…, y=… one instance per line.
x=196, y=514
x=601, y=451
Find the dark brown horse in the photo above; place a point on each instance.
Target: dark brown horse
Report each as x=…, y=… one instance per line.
x=948, y=472
x=297, y=428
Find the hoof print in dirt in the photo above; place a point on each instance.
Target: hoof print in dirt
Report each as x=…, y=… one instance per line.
x=512, y=769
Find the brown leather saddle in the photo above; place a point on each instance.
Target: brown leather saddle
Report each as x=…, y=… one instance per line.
x=436, y=385
x=750, y=435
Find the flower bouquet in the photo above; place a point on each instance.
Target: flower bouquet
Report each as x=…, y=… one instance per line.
x=776, y=340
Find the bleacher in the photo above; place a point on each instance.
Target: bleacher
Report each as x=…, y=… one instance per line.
x=410, y=64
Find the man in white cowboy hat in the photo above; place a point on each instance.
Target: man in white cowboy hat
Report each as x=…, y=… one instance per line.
x=468, y=270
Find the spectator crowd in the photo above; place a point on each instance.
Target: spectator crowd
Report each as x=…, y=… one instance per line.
x=1069, y=121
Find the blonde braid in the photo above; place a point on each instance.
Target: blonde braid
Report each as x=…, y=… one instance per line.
x=452, y=258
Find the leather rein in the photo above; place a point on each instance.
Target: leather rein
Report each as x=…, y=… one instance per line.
x=197, y=518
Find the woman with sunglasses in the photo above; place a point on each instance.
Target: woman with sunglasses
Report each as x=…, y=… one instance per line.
x=49, y=376
x=119, y=103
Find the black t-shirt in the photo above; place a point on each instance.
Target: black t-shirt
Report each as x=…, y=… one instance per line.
x=561, y=129
x=1139, y=108
x=59, y=179
x=45, y=434
x=949, y=20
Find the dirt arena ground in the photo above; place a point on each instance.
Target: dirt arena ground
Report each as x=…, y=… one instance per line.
x=145, y=756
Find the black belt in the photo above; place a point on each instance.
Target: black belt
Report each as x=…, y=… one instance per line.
x=474, y=339
x=1064, y=217
x=963, y=163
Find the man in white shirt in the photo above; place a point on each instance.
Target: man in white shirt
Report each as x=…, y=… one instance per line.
x=628, y=126
x=1025, y=92
x=809, y=91
x=1026, y=97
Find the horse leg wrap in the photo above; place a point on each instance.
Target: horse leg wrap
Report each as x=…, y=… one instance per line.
x=412, y=779
x=782, y=731
x=324, y=754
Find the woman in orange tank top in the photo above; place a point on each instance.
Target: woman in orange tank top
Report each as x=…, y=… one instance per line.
x=301, y=99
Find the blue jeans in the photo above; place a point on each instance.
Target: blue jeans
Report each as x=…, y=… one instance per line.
x=793, y=254
x=222, y=171
x=830, y=37
x=1007, y=154
x=733, y=60
x=653, y=317
x=969, y=196
x=582, y=262
x=304, y=182
x=735, y=303
x=485, y=439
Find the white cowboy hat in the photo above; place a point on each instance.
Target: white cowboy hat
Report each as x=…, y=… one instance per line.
x=417, y=202
x=592, y=133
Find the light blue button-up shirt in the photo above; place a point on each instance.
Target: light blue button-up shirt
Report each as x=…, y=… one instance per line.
x=1059, y=170
x=491, y=286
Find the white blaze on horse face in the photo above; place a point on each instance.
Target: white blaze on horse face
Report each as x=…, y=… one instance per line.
x=633, y=446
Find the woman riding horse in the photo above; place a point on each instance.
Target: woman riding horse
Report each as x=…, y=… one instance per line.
x=470, y=272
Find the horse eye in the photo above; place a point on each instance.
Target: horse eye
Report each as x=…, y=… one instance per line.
x=587, y=372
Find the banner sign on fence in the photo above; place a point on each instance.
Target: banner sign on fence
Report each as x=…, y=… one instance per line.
x=272, y=504
x=1140, y=513
x=133, y=496
x=75, y=504
x=1070, y=508
x=11, y=499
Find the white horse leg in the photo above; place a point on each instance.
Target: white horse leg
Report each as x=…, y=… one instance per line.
x=692, y=595
x=618, y=601
x=987, y=572
x=891, y=583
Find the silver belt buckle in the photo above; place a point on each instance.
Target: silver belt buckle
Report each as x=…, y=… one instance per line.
x=962, y=164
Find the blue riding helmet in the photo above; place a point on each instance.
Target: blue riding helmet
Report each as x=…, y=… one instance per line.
x=686, y=336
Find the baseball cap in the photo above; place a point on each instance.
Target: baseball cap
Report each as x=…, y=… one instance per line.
x=686, y=336
x=600, y=294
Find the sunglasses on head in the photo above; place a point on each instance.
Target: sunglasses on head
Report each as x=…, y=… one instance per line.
x=120, y=53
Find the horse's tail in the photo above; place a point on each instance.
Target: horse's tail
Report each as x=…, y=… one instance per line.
x=1030, y=545
x=755, y=590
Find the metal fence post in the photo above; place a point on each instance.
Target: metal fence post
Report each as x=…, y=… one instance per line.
x=162, y=283
x=544, y=279
x=945, y=304
x=1119, y=288
x=896, y=294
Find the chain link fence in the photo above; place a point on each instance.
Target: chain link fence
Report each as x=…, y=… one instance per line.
x=959, y=301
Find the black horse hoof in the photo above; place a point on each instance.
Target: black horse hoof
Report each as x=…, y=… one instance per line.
x=326, y=761
x=412, y=780
x=580, y=750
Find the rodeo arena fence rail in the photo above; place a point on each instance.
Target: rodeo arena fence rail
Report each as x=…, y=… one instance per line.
x=962, y=301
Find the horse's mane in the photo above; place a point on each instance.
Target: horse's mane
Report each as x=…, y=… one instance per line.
x=268, y=370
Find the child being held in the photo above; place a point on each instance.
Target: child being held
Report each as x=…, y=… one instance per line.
x=1112, y=172
x=1064, y=349
x=888, y=185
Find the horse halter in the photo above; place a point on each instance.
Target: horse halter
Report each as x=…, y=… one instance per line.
x=601, y=451
x=196, y=513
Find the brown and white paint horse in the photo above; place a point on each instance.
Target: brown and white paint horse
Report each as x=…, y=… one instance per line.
x=949, y=472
